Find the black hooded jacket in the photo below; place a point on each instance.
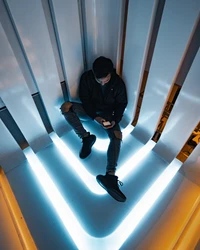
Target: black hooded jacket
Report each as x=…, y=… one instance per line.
x=113, y=101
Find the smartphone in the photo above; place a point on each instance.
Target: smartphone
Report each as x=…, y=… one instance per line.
x=106, y=123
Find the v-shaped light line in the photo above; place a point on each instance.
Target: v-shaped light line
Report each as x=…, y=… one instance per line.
x=116, y=239
x=90, y=180
x=87, y=178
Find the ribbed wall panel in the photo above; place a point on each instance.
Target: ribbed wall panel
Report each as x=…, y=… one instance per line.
x=102, y=23
x=53, y=37
x=140, y=15
x=171, y=43
x=102, y=29
x=191, y=167
x=184, y=117
x=17, y=98
x=194, y=157
x=7, y=25
x=32, y=28
x=67, y=23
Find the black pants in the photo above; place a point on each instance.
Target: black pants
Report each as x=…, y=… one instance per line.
x=77, y=114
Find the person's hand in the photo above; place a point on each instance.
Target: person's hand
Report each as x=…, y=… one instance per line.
x=100, y=120
x=110, y=126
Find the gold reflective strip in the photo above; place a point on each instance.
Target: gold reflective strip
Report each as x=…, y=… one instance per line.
x=16, y=215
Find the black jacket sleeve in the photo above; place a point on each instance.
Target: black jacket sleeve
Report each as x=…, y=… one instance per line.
x=85, y=96
x=120, y=102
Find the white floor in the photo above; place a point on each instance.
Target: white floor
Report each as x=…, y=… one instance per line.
x=98, y=215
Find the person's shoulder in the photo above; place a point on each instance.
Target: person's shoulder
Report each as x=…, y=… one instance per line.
x=118, y=80
x=86, y=79
x=86, y=74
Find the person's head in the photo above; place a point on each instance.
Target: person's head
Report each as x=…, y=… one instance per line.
x=102, y=69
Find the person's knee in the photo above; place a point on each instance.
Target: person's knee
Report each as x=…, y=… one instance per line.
x=65, y=107
x=118, y=134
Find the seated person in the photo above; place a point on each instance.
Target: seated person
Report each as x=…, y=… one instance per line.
x=103, y=99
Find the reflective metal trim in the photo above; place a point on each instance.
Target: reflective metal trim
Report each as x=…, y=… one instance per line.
x=184, y=117
x=172, y=40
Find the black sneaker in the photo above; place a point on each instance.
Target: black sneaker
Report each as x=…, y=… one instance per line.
x=110, y=184
x=87, y=145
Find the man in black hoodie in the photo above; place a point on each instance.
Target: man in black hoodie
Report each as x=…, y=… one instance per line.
x=103, y=96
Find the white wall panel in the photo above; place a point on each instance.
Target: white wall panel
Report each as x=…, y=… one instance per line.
x=17, y=50
x=31, y=25
x=17, y=98
x=66, y=17
x=102, y=22
x=50, y=25
x=191, y=166
x=184, y=117
x=194, y=157
x=140, y=13
x=174, y=33
x=1, y=103
x=11, y=154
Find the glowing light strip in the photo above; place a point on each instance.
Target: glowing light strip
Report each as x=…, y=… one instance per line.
x=102, y=144
x=87, y=178
x=130, y=165
x=62, y=208
x=90, y=180
x=144, y=205
x=116, y=239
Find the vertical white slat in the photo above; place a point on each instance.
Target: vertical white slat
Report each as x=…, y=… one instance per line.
x=102, y=22
x=29, y=19
x=6, y=23
x=191, y=167
x=67, y=23
x=121, y=35
x=11, y=154
x=171, y=42
x=140, y=17
x=194, y=158
x=52, y=34
x=1, y=103
x=17, y=98
x=184, y=116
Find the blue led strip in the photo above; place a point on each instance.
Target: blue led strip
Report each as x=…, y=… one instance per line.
x=84, y=175
x=116, y=239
